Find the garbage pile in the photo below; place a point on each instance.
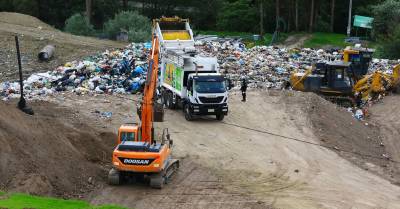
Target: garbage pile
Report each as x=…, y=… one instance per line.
x=262, y=66
x=124, y=70
x=119, y=71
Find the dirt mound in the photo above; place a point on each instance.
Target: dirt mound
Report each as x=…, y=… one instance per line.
x=34, y=35
x=386, y=114
x=357, y=141
x=23, y=20
x=51, y=153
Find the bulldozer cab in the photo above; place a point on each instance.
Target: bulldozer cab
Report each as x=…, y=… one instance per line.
x=336, y=78
x=359, y=58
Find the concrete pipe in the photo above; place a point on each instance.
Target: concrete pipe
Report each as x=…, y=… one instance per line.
x=46, y=53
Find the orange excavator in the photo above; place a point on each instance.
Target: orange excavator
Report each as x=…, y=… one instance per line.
x=138, y=154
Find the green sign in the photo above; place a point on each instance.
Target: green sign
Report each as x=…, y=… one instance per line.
x=178, y=78
x=363, y=22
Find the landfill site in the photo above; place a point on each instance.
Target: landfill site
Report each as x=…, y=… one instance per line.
x=289, y=145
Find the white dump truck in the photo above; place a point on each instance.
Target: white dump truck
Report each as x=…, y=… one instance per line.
x=188, y=80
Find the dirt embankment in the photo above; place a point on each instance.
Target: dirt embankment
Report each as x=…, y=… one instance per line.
x=360, y=142
x=53, y=152
x=386, y=115
x=34, y=35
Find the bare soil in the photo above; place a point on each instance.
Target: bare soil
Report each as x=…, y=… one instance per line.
x=52, y=153
x=295, y=41
x=251, y=160
x=385, y=114
x=33, y=36
x=360, y=142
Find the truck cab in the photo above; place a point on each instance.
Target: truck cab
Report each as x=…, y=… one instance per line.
x=206, y=95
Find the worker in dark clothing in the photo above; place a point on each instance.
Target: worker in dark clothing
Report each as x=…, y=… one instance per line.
x=243, y=88
x=125, y=66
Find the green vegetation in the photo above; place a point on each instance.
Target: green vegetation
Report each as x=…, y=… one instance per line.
x=19, y=201
x=386, y=28
x=319, y=40
x=78, y=24
x=2, y=193
x=237, y=16
x=246, y=16
x=137, y=26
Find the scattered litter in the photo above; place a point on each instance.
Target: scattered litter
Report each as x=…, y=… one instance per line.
x=359, y=114
x=106, y=114
x=123, y=71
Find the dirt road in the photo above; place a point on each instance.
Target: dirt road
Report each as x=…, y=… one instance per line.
x=227, y=166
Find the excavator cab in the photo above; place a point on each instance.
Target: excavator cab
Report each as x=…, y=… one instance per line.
x=127, y=132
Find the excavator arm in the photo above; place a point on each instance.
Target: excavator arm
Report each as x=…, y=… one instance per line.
x=147, y=115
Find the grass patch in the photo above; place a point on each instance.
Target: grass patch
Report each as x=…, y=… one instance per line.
x=19, y=201
x=319, y=40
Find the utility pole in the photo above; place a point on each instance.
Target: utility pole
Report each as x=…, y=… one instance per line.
x=349, y=23
x=262, y=18
x=277, y=10
x=89, y=10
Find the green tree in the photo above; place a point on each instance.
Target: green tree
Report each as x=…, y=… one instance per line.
x=79, y=24
x=386, y=18
x=386, y=28
x=138, y=26
x=238, y=15
x=390, y=49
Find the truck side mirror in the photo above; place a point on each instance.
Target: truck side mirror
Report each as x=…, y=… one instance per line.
x=190, y=85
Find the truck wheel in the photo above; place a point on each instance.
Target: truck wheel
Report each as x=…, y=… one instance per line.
x=220, y=117
x=188, y=115
x=114, y=177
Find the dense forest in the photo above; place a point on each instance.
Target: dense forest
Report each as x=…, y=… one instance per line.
x=256, y=16
x=107, y=18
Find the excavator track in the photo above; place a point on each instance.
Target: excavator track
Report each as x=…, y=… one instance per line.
x=158, y=180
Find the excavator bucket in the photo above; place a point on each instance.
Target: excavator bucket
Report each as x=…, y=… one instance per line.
x=158, y=112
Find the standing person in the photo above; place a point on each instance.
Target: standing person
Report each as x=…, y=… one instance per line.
x=243, y=88
x=125, y=65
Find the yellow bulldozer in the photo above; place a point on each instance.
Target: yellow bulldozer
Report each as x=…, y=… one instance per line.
x=339, y=82
x=377, y=83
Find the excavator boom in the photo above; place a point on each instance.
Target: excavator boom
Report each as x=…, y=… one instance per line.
x=149, y=93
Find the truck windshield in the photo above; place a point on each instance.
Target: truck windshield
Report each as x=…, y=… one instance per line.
x=127, y=136
x=210, y=86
